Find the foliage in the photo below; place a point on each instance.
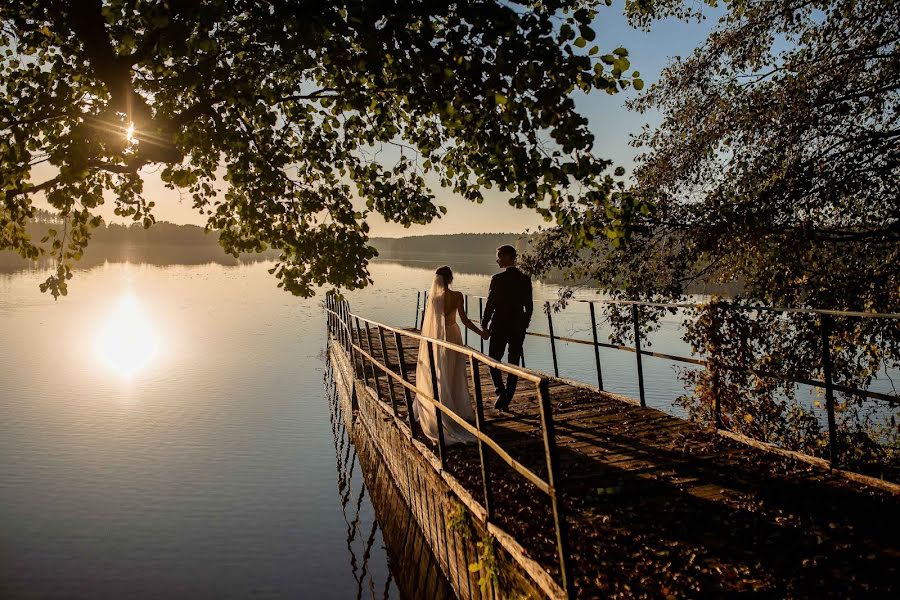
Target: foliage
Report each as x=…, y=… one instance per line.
x=776, y=165
x=746, y=349
x=487, y=563
x=290, y=124
x=458, y=519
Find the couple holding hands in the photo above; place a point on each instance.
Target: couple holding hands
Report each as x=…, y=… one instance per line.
x=507, y=314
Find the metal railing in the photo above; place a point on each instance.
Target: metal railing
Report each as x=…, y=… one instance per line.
x=825, y=317
x=354, y=333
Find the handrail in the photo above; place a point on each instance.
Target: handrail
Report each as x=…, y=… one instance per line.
x=421, y=395
x=744, y=307
x=694, y=361
x=700, y=362
x=465, y=350
x=825, y=318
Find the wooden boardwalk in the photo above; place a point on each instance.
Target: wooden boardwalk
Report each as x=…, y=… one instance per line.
x=658, y=506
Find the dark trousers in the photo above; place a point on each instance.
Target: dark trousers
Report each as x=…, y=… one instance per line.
x=499, y=342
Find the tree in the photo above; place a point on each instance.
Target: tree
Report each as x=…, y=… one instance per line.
x=776, y=165
x=271, y=116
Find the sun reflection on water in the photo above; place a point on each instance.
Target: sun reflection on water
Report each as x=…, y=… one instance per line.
x=128, y=341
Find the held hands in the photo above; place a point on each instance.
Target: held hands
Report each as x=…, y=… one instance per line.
x=485, y=334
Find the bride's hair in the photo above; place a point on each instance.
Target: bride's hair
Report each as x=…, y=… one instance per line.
x=446, y=274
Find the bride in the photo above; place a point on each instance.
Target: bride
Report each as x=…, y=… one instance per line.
x=453, y=387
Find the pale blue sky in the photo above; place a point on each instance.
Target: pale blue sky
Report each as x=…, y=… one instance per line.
x=649, y=52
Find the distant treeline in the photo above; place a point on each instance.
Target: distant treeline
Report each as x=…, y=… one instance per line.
x=163, y=244
x=168, y=243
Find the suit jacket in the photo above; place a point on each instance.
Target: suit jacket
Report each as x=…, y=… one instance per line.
x=509, y=304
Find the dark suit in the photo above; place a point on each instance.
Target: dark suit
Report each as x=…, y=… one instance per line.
x=507, y=315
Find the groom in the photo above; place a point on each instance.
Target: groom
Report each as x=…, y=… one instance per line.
x=506, y=317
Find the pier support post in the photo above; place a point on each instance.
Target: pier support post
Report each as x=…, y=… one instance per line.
x=480, y=317
x=466, y=310
x=596, y=345
x=442, y=454
x=635, y=319
x=554, y=479
x=479, y=424
x=713, y=363
x=418, y=298
x=362, y=358
x=387, y=363
x=371, y=352
x=825, y=327
x=549, y=312
x=401, y=358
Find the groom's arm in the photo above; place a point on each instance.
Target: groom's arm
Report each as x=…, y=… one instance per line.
x=490, y=306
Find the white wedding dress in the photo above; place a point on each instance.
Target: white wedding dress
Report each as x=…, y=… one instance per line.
x=453, y=385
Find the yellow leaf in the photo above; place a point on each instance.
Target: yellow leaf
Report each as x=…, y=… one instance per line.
x=748, y=419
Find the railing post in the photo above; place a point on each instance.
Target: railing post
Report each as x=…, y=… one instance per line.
x=351, y=341
x=328, y=324
x=480, y=317
x=371, y=351
x=553, y=479
x=714, y=366
x=387, y=364
x=635, y=319
x=479, y=424
x=548, y=310
x=337, y=322
x=418, y=297
x=351, y=351
x=466, y=310
x=824, y=323
x=596, y=345
x=345, y=320
x=345, y=331
x=424, y=307
x=407, y=394
x=437, y=412
x=361, y=356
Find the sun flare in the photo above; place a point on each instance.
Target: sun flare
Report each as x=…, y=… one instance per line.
x=127, y=342
x=129, y=133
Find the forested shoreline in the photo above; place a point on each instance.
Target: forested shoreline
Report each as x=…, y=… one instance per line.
x=170, y=243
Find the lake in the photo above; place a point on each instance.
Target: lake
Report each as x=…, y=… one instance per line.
x=192, y=452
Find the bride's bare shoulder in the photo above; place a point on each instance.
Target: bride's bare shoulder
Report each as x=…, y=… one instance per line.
x=456, y=298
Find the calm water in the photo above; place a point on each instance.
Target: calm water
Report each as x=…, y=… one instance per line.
x=192, y=453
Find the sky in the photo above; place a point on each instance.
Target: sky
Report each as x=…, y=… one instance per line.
x=611, y=123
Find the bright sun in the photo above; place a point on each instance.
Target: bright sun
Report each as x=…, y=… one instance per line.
x=127, y=342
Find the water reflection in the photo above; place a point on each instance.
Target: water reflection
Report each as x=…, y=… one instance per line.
x=128, y=341
x=345, y=461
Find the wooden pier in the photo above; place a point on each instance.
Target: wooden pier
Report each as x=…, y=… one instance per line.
x=653, y=505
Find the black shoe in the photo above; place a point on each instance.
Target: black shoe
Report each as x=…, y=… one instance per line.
x=502, y=403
